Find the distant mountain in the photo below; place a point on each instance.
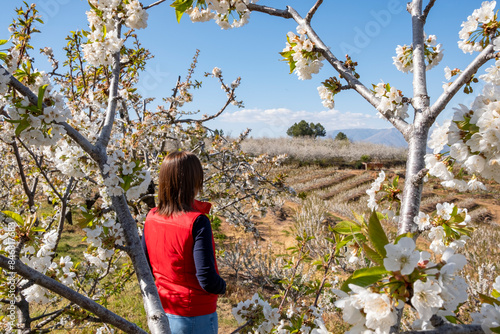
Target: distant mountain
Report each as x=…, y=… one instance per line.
x=389, y=137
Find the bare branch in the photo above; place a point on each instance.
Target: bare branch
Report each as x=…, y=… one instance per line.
x=62, y=217
x=269, y=10
x=427, y=10
x=70, y=294
x=154, y=4
x=313, y=10
x=42, y=171
x=237, y=330
x=27, y=191
x=462, y=79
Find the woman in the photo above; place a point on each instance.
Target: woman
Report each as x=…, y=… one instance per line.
x=179, y=243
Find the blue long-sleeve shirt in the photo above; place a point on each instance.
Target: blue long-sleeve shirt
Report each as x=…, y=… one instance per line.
x=203, y=254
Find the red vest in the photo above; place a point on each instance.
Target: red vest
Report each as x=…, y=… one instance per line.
x=169, y=241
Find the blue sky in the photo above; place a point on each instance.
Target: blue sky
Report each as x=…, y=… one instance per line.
x=274, y=99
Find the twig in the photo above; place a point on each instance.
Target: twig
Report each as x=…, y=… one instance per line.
x=269, y=10
x=237, y=330
x=29, y=194
x=154, y=4
x=464, y=77
x=313, y=10
x=42, y=171
x=427, y=10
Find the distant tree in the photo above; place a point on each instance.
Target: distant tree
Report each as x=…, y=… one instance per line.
x=319, y=130
x=341, y=136
x=302, y=129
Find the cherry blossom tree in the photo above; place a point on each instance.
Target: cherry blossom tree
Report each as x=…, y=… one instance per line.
x=82, y=139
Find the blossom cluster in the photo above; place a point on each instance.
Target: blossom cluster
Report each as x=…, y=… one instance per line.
x=266, y=319
x=104, y=39
x=367, y=310
x=474, y=142
x=372, y=191
x=391, y=100
x=222, y=11
x=436, y=289
x=42, y=261
x=36, y=125
x=433, y=53
x=301, y=56
x=264, y=316
x=448, y=227
x=479, y=29
x=126, y=176
x=328, y=90
x=489, y=315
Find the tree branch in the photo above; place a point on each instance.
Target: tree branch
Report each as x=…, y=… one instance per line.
x=105, y=135
x=397, y=122
x=313, y=10
x=451, y=329
x=27, y=191
x=463, y=78
x=427, y=10
x=269, y=10
x=73, y=296
x=154, y=4
x=38, y=164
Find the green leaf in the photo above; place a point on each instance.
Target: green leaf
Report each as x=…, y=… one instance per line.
x=377, y=235
x=495, y=329
x=372, y=255
x=23, y=125
x=3, y=41
x=379, y=270
x=14, y=216
x=447, y=230
x=346, y=227
x=363, y=279
x=41, y=93
x=395, y=181
x=484, y=299
x=38, y=229
x=451, y=319
x=495, y=293
x=180, y=7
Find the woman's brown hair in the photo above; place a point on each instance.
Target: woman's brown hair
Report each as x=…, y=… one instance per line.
x=181, y=177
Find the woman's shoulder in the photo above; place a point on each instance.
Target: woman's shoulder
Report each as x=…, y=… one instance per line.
x=151, y=213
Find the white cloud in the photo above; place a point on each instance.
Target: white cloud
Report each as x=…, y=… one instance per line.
x=275, y=122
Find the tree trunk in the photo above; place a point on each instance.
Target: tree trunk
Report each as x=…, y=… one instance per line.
x=157, y=319
x=412, y=191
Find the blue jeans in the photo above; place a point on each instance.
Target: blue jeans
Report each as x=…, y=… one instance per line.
x=203, y=324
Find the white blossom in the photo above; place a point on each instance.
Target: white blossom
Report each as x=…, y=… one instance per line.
x=402, y=256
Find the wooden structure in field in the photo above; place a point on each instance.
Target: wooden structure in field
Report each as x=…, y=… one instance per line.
x=373, y=165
